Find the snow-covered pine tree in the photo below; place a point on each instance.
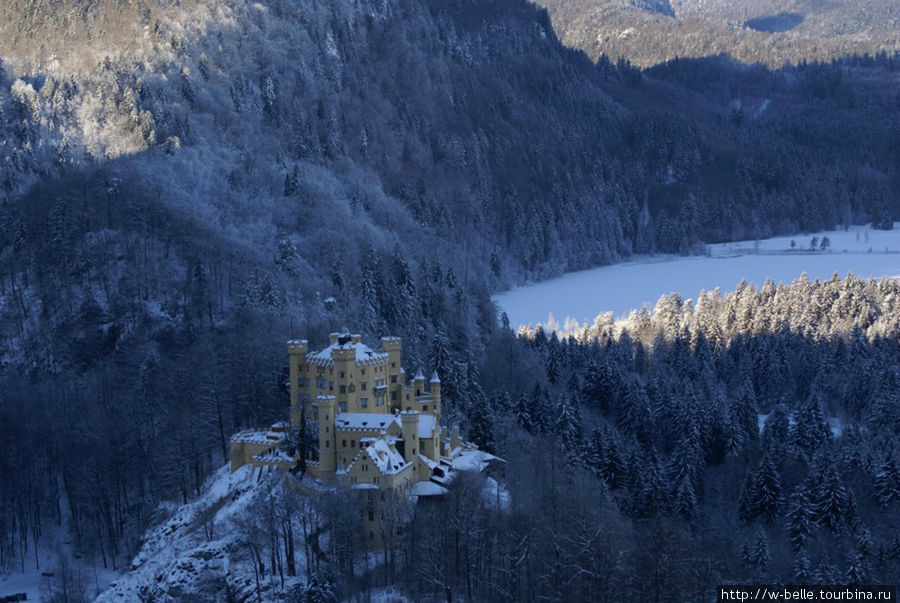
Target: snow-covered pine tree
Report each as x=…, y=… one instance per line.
x=811, y=429
x=649, y=489
x=759, y=554
x=539, y=410
x=887, y=482
x=832, y=500
x=801, y=569
x=801, y=516
x=857, y=568
x=371, y=319
x=440, y=357
x=743, y=413
x=777, y=429
x=684, y=503
x=554, y=371
x=481, y=425
x=766, y=490
x=522, y=412
x=568, y=426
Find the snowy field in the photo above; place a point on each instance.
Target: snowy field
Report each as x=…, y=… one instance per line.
x=620, y=288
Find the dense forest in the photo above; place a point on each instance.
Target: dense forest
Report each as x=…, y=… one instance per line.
x=183, y=186
x=748, y=438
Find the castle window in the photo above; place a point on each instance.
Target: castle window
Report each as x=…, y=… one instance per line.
x=343, y=443
x=364, y=402
x=301, y=382
x=363, y=371
x=330, y=385
x=393, y=378
x=425, y=408
x=343, y=389
x=320, y=382
x=342, y=374
x=362, y=385
x=394, y=396
x=343, y=404
x=393, y=365
x=326, y=443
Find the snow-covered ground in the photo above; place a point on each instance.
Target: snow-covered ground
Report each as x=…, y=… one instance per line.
x=54, y=564
x=197, y=549
x=40, y=583
x=620, y=288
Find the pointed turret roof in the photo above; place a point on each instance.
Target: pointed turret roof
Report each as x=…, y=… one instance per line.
x=435, y=378
x=419, y=375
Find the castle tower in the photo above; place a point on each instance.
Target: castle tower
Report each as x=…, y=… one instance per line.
x=392, y=345
x=409, y=421
x=435, y=385
x=418, y=384
x=344, y=361
x=297, y=349
x=325, y=420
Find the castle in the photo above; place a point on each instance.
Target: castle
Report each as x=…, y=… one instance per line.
x=371, y=428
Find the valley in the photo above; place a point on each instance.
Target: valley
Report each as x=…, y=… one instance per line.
x=184, y=186
x=576, y=298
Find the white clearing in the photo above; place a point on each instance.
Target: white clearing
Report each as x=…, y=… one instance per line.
x=578, y=297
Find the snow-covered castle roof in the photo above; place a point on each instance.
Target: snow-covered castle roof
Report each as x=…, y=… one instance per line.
x=364, y=355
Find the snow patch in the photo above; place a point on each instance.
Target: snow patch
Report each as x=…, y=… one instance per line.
x=620, y=288
x=473, y=460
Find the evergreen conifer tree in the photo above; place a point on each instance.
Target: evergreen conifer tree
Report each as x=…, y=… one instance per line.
x=811, y=429
x=761, y=494
x=801, y=570
x=481, y=423
x=857, y=568
x=801, y=518
x=522, y=412
x=887, y=482
x=832, y=507
x=759, y=554
x=685, y=501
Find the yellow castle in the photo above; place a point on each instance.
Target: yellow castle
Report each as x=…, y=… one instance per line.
x=372, y=428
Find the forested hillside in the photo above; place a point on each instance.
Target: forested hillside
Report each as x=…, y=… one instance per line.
x=749, y=437
x=185, y=185
x=649, y=32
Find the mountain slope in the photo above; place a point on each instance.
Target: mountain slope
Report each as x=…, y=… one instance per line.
x=759, y=31
x=204, y=549
x=185, y=185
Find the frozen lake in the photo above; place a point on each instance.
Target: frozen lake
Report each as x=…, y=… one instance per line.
x=621, y=288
